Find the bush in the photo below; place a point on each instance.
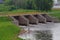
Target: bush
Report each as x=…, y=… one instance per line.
x=12, y=8
x=3, y=8
x=6, y=8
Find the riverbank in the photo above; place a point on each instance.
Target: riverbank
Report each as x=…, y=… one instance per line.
x=8, y=30
x=55, y=13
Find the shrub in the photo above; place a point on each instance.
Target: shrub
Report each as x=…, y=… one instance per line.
x=6, y=8
x=3, y=8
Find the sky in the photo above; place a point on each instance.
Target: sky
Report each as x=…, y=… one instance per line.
x=1, y=1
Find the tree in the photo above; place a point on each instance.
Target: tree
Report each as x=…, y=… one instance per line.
x=44, y=5
x=8, y=2
x=28, y=4
x=18, y=3
x=4, y=8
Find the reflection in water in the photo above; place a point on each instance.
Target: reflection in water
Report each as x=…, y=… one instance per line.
x=43, y=35
x=45, y=29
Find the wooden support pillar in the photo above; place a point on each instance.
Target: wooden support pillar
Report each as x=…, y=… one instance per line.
x=32, y=19
x=22, y=20
x=41, y=18
x=48, y=18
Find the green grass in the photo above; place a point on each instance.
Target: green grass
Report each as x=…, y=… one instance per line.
x=55, y=13
x=8, y=31
x=17, y=11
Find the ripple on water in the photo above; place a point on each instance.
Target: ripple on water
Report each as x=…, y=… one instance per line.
x=54, y=27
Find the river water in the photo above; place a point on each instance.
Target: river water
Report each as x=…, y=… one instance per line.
x=53, y=27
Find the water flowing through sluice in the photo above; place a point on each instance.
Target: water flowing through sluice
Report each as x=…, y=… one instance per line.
x=48, y=31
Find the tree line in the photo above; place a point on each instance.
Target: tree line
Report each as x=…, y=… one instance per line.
x=43, y=5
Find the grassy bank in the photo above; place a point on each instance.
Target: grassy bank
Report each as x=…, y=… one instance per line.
x=55, y=13
x=17, y=11
x=8, y=31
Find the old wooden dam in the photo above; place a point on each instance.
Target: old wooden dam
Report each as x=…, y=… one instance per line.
x=32, y=19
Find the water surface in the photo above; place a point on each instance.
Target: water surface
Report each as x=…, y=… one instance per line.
x=53, y=27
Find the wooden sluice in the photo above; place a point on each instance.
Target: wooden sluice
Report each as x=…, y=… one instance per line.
x=32, y=19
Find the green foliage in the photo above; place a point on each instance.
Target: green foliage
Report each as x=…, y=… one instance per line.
x=44, y=5
x=8, y=2
x=55, y=13
x=6, y=7
x=3, y=8
x=28, y=4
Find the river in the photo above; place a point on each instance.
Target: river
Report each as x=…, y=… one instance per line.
x=53, y=27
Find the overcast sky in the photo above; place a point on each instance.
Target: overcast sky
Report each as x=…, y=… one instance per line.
x=0, y=1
